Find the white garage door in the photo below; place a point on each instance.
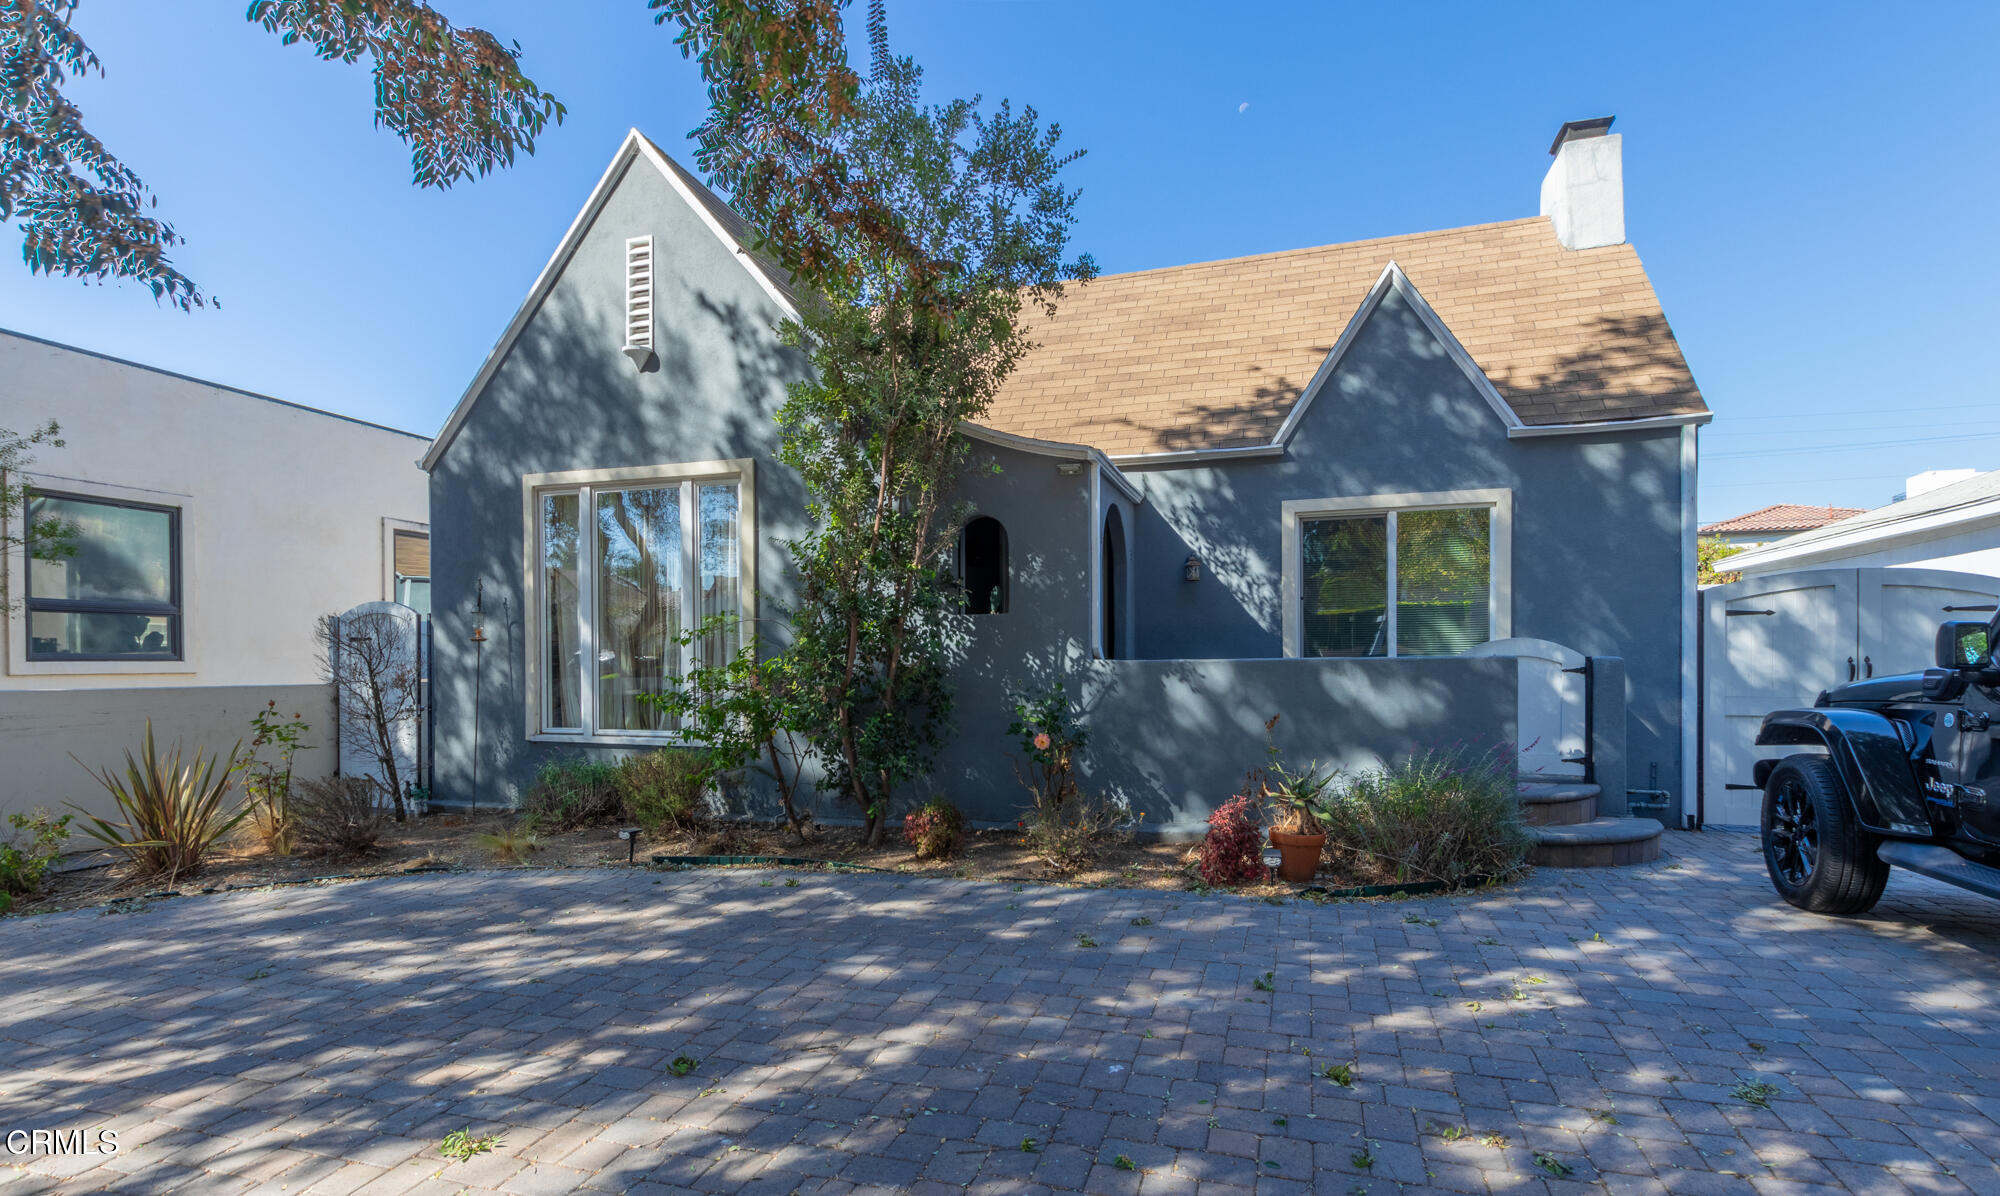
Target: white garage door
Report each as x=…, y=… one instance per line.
x=1774, y=642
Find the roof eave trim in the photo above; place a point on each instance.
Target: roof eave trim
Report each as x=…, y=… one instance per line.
x=1195, y=456
x=636, y=145
x=1060, y=449
x=1687, y=419
x=1791, y=550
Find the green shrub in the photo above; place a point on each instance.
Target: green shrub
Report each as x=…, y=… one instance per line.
x=665, y=789
x=28, y=851
x=934, y=830
x=174, y=812
x=572, y=793
x=267, y=784
x=337, y=815
x=1449, y=815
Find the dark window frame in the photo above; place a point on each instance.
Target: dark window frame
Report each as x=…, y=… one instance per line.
x=175, y=611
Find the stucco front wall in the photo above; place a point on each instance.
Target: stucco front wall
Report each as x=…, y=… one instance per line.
x=52, y=740
x=282, y=507
x=1596, y=522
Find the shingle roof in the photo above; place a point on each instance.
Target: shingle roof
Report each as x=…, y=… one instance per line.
x=1214, y=355
x=1781, y=517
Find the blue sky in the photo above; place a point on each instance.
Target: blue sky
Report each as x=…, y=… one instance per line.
x=1811, y=188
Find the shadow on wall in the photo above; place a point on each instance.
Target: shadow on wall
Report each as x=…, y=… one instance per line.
x=566, y=399
x=1175, y=738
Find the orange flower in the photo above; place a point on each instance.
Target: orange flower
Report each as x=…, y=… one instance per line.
x=1042, y=741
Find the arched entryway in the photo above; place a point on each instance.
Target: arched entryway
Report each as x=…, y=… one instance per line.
x=1113, y=583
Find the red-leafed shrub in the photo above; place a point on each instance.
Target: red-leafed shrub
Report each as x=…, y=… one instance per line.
x=1232, y=851
x=934, y=831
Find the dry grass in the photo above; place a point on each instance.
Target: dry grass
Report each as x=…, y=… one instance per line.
x=455, y=841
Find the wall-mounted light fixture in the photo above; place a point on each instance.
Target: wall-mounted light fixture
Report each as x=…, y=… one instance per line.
x=1069, y=469
x=479, y=613
x=1191, y=571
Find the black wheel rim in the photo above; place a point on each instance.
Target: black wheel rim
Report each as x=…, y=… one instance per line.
x=1793, y=841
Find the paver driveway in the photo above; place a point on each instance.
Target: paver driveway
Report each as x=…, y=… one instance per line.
x=856, y=1033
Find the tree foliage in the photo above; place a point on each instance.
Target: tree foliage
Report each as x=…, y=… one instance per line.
x=1708, y=553
x=456, y=96
x=53, y=539
x=923, y=231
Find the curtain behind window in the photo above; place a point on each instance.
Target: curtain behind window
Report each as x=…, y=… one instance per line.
x=638, y=621
x=561, y=688
x=1444, y=567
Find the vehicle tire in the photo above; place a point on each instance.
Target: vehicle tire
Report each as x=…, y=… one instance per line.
x=1819, y=858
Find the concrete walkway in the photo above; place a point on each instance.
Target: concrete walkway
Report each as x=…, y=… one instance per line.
x=1579, y=1031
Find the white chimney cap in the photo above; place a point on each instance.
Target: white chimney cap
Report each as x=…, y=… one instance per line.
x=1577, y=130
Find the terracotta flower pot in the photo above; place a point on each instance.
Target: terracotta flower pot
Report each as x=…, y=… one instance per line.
x=1298, y=855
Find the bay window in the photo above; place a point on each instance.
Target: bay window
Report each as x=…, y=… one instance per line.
x=1397, y=575
x=626, y=564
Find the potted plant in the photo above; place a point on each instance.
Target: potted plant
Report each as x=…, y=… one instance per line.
x=1296, y=799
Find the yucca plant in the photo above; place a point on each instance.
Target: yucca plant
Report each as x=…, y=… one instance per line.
x=174, y=812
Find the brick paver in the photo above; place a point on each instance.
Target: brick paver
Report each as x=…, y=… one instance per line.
x=1589, y=1030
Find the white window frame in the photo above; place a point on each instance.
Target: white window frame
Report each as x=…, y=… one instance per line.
x=1500, y=524
x=16, y=563
x=583, y=482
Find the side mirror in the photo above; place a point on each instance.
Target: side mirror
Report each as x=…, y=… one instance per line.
x=1961, y=645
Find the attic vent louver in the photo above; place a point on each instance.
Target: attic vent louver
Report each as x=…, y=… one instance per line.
x=639, y=300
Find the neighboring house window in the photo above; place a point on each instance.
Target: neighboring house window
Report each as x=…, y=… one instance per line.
x=628, y=566
x=108, y=585
x=412, y=552
x=1425, y=576
x=982, y=566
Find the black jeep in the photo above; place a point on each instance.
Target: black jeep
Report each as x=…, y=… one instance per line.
x=1909, y=775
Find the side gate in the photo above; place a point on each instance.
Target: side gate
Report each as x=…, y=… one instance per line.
x=1774, y=641
x=380, y=657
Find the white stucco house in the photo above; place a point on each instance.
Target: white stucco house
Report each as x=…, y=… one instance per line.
x=1953, y=526
x=210, y=527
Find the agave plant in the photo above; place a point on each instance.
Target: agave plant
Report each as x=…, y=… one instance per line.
x=174, y=812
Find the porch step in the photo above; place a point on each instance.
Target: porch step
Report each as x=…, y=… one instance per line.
x=1558, y=803
x=1599, y=843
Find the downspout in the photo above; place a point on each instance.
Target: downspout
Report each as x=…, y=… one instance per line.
x=1690, y=625
x=1096, y=561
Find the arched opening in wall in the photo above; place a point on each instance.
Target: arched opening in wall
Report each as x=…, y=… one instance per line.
x=982, y=566
x=1113, y=583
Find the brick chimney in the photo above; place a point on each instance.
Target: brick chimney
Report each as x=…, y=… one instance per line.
x=1584, y=192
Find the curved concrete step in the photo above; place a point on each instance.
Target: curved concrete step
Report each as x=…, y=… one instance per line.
x=1558, y=803
x=1599, y=843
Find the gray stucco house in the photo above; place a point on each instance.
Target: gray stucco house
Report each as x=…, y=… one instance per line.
x=1332, y=483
